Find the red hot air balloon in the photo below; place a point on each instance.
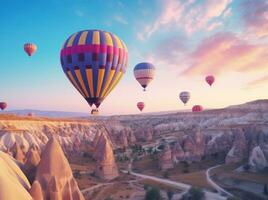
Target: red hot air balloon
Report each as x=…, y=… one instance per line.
x=210, y=79
x=30, y=48
x=3, y=105
x=140, y=105
x=197, y=108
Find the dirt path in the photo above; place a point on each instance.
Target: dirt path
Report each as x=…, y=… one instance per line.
x=215, y=185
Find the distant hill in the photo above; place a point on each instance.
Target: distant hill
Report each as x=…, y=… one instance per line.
x=44, y=113
x=261, y=104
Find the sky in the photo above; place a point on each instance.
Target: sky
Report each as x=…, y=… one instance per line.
x=184, y=39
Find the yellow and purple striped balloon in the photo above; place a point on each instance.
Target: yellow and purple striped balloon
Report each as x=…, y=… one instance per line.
x=94, y=61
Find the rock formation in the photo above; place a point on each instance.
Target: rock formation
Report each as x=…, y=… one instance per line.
x=177, y=152
x=106, y=167
x=257, y=160
x=32, y=160
x=36, y=191
x=239, y=150
x=123, y=139
x=148, y=134
x=55, y=175
x=18, y=153
x=165, y=157
x=13, y=183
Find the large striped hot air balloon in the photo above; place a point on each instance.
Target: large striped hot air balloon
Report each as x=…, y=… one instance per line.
x=140, y=105
x=197, y=108
x=3, y=105
x=30, y=48
x=94, y=61
x=185, y=96
x=210, y=79
x=144, y=73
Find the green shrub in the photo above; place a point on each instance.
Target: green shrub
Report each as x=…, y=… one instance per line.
x=170, y=194
x=194, y=194
x=153, y=193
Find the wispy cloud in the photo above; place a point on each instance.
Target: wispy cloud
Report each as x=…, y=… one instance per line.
x=120, y=19
x=189, y=16
x=225, y=52
x=255, y=16
x=214, y=25
x=259, y=81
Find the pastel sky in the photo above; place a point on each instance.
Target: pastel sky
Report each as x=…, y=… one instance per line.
x=184, y=39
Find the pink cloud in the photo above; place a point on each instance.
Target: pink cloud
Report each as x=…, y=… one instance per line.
x=189, y=16
x=259, y=81
x=214, y=25
x=255, y=16
x=225, y=52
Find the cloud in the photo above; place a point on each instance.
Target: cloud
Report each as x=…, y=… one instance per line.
x=189, y=16
x=226, y=52
x=227, y=12
x=120, y=19
x=169, y=54
x=259, y=81
x=255, y=16
x=214, y=25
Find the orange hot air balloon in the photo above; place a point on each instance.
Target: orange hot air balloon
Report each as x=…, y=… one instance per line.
x=197, y=108
x=140, y=105
x=30, y=48
x=3, y=105
x=210, y=79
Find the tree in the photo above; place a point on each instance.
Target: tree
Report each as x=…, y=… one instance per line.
x=233, y=198
x=153, y=193
x=246, y=167
x=170, y=194
x=265, y=190
x=194, y=194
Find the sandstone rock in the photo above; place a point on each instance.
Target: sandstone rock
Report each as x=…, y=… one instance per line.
x=18, y=153
x=165, y=157
x=32, y=160
x=36, y=191
x=177, y=153
x=123, y=139
x=257, y=160
x=13, y=183
x=105, y=166
x=239, y=150
x=55, y=175
x=132, y=138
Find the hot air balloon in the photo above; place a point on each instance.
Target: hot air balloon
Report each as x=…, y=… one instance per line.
x=210, y=79
x=30, y=48
x=185, y=96
x=140, y=105
x=94, y=112
x=30, y=114
x=197, y=108
x=144, y=73
x=94, y=61
x=3, y=105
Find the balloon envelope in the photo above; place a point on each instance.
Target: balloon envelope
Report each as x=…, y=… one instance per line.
x=30, y=48
x=185, y=96
x=3, y=105
x=94, y=61
x=144, y=73
x=140, y=105
x=210, y=79
x=197, y=108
